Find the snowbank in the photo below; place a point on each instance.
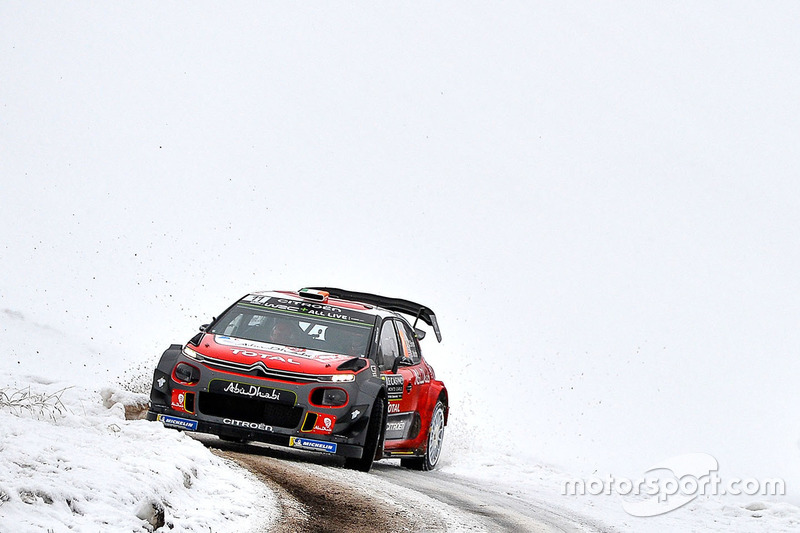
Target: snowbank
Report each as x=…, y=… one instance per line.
x=69, y=460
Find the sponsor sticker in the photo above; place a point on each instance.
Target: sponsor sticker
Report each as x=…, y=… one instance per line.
x=307, y=308
x=394, y=386
x=247, y=425
x=179, y=400
x=175, y=422
x=277, y=352
x=309, y=444
x=324, y=424
x=255, y=392
x=421, y=376
x=395, y=426
x=398, y=426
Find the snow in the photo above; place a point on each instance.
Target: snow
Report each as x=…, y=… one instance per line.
x=542, y=484
x=599, y=201
x=70, y=461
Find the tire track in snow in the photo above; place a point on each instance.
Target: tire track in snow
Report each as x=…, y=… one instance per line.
x=318, y=495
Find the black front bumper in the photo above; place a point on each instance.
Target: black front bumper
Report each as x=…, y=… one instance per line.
x=177, y=420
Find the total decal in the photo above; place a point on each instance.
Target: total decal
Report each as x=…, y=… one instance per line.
x=394, y=408
x=287, y=351
x=247, y=425
x=309, y=444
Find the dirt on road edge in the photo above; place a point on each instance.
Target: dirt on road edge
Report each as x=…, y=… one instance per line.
x=310, y=503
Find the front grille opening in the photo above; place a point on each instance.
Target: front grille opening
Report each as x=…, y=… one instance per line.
x=310, y=421
x=190, y=402
x=269, y=413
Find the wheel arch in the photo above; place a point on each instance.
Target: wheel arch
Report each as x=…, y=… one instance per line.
x=439, y=394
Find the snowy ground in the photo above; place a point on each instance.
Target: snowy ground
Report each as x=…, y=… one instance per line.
x=70, y=460
x=542, y=485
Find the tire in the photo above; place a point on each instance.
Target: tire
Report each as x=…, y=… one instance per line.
x=373, y=440
x=433, y=450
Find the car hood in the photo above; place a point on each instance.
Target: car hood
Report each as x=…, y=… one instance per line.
x=275, y=356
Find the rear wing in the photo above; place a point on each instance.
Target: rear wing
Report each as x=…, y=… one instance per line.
x=392, y=304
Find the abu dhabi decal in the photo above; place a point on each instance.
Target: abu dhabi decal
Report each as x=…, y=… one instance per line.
x=309, y=444
x=278, y=352
x=175, y=422
x=247, y=425
x=179, y=403
x=324, y=424
x=233, y=388
x=421, y=376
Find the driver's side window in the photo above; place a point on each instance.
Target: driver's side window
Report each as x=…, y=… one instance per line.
x=409, y=341
x=388, y=348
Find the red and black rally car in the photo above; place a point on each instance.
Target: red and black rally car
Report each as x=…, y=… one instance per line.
x=320, y=369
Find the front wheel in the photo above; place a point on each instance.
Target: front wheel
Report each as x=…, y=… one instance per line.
x=435, y=439
x=373, y=441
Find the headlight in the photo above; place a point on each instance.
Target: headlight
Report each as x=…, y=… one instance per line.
x=188, y=352
x=340, y=378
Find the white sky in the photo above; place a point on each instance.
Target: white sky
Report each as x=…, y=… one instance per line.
x=599, y=201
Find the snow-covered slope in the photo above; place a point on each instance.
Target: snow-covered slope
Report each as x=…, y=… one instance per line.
x=69, y=461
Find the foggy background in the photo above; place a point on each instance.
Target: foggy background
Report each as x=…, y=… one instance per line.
x=600, y=203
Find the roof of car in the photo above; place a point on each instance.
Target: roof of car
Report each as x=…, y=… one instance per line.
x=362, y=302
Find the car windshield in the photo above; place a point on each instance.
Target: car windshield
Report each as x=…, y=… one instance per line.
x=294, y=323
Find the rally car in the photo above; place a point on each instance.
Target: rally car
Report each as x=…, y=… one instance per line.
x=319, y=369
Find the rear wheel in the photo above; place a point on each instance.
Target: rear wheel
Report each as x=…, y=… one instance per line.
x=373, y=441
x=435, y=439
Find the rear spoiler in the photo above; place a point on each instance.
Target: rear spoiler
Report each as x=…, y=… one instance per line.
x=393, y=304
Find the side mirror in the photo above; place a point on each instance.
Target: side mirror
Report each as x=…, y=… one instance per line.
x=204, y=327
x=419, y=333
x=395, y=365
